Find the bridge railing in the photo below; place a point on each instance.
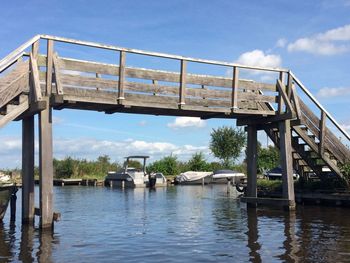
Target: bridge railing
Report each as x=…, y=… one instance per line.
x=235, y=90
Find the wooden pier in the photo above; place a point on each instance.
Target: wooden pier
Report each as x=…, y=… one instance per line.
x=35, y=79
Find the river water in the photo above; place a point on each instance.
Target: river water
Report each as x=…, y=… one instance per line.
x=176, y=224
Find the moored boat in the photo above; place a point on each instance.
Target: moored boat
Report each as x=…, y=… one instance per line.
x=135, y=177
x=192, y=177
x=7, y=188
x=224, y=176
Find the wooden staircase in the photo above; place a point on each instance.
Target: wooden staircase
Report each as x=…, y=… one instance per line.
x=14, y=91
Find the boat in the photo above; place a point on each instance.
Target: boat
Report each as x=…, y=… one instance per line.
x=276, y=174
x=7, y=188
x=224, y=176
x=134, y=177
x=192, y=177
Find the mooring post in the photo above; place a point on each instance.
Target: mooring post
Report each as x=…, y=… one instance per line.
x=46, y=167
x=252, y=144
x=28, y=170
x=287, y=163
x=13, y=206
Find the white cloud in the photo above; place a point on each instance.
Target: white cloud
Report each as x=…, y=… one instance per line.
x=327, y=43
x=333, y=92
x=282, y=42
x=187, y=122
x=90, y=148
x=346, y=127
x=258, y=58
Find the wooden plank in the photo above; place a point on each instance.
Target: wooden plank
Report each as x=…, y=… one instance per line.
x=322, y=133
x=35, y=78
x=35, y=49
x=182, y=92
x=235, y=82
x=280, y=98
x=28, y=170
x=286, y=160
x=46, y=168
x=252, y=156
x=331, y=141
x=56, y=66
x=295, y=99
x=84, y=81
x=141, y=73
x=17, y=111
x=49, y=66
x=281, y=89
x=16, y=87
x=121, y=76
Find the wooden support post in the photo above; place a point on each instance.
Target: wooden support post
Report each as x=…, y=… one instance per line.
x=182, y=92
x=28, y=170
x=46, y=167
x=252, y=161
x=49, y=65
x=287, y=163
x=289, y=85
x=280, y=98
x=235, y=82
x=121, y=76
x=322, y=133
x=13, y=202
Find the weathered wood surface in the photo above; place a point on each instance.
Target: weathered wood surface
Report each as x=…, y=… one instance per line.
x=14, y=83
x=331, y=142
x=46, y=168
x=28, y=170
x=16, y=111
x=252, y=157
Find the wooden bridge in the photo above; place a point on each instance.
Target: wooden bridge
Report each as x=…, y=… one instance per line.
x=34, y=79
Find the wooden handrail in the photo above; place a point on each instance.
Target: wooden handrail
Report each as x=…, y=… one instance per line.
x=11, y=58
x=157, y=54
x=329, y=116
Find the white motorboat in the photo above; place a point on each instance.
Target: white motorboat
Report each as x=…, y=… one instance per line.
x=7, y=188
x=134, y=177
x=192, y=177
x=224, y=176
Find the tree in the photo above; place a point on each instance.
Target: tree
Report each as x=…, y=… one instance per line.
x=168, y=166
x=227, y=143
x=268, y=158
x=197, y=162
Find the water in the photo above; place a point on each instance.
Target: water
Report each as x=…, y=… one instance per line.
x=176, y=224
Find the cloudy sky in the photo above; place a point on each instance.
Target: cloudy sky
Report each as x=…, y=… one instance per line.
x=312, y=38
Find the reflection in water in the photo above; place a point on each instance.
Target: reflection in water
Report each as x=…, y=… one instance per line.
x=34, y=245
x=177, y=224
x=253, y=235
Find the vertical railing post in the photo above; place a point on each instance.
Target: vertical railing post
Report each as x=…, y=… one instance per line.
x=182, y=92
x=289, y=85
x=121, y=76
x=280, y=98
x=49, y=66
x=35, y=90
x=322, y=133
x=235, y=81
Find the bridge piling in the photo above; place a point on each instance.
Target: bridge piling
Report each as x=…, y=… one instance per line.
x=28, y=170
x=252, y=163
x=287, y=163
x=46, y=167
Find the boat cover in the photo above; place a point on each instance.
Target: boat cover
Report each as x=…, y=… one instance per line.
x=192, y=176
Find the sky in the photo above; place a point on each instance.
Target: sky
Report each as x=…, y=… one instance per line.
x=311, y=38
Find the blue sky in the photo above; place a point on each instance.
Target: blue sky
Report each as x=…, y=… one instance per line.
x=312, y=38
